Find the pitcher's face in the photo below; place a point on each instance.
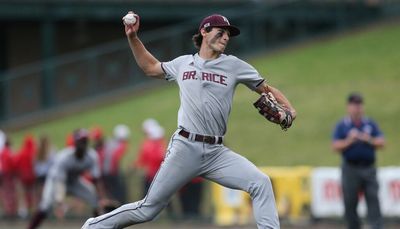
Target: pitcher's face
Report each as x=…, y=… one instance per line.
x=217, y=39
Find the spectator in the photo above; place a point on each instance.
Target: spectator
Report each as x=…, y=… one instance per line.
x=43, y=161
x=97, y=136
x=114, y=150
x=190, y=197
x=151, y=155
x=69, y=140
x=357, y=137
x=7, y=164
x=26, y=174
x=2, y=144
x=151, y=152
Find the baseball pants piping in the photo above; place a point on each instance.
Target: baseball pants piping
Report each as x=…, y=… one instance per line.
x=187, y=159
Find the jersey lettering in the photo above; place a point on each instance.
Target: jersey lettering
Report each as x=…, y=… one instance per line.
x=190, y=75
x=205, y=76
x=213, y=78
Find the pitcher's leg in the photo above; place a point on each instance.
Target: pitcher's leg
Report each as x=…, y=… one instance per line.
x=179, y=166
x=234, y=171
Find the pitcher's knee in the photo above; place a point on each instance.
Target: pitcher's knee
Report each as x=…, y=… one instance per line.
x=266, y=181
x=260, y=185
x=152, y=215
x=152, y=211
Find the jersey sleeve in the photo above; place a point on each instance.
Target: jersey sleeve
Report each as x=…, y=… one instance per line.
x=338, y=133
x=171, y=68
x=376, y=132
x=248, y=75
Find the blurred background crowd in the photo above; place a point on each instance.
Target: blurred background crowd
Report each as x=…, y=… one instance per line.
x=23, y=171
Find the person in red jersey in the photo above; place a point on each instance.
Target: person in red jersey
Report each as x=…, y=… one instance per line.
x=25, y=160
x=7, y=165
x=151, y=152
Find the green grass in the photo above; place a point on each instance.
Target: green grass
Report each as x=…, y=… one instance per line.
x=316, y=77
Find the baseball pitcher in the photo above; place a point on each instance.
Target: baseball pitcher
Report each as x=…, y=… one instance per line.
x=207, y=81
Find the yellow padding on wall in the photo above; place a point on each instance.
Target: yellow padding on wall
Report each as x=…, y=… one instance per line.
x=292, y=193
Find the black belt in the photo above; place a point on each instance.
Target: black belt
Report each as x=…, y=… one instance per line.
x=202, y=138
x=360, y=163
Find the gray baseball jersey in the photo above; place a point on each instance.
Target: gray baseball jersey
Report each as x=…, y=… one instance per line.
x=67, y=169
x=207, y=88
x=206, y=92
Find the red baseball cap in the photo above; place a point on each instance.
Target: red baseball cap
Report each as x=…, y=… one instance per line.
x=217, y=20
x=96, y=133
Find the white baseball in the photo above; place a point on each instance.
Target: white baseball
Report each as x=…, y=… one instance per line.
x=130, y=19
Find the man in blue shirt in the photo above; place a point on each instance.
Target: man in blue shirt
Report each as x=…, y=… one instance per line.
x=357, y=137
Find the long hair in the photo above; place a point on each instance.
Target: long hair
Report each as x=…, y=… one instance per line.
x=198, y=38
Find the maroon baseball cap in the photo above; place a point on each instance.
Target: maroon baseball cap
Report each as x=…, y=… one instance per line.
x=80, y=134
x=217, y=20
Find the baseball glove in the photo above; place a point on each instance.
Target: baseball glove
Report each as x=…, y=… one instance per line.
x=273, y=111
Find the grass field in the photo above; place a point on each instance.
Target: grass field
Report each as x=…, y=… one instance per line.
x=316, y=77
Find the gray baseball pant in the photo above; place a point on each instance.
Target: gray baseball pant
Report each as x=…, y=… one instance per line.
x=78, y=187
x=186, y=159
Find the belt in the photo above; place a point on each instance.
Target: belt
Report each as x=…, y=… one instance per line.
x=360, y=163
x=202, y=138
